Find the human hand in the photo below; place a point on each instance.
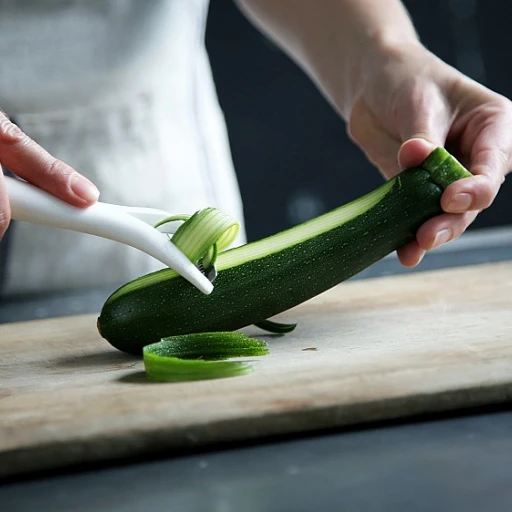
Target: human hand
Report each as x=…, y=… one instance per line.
x=25, y=158
x=412, y=102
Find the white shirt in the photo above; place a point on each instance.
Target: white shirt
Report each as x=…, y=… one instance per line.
x=122, y=91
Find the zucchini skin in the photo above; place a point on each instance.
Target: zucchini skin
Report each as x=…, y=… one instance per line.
x=257, y=289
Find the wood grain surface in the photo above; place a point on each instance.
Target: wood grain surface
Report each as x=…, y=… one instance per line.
x=364, y=351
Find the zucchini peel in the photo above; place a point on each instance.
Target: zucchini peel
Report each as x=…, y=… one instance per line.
x=200, y=356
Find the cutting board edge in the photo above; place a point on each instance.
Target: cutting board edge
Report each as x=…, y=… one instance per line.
x=165, y=442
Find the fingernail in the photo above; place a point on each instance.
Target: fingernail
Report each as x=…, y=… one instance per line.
x=443, y=236
x=84, y=189
x=460, y=203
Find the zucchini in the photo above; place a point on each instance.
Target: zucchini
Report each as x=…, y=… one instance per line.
x=261, y=279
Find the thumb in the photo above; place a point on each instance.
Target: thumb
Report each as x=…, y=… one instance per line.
x=413, y=151
x=424, y=122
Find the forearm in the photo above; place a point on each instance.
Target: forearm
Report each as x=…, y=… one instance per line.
x=335, y=41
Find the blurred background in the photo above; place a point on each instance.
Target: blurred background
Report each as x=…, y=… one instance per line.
x=293, y=158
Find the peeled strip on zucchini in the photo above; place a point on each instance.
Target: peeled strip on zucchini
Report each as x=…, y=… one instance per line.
x=261, y=279
x=203, y=235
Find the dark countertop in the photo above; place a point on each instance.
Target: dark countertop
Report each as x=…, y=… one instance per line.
x=438, y=463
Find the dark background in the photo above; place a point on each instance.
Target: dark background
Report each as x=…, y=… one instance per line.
x=291, y=152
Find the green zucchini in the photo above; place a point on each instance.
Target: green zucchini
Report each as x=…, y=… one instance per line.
x=261, y=279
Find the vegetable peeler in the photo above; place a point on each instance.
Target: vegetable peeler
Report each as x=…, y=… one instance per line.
x=131, y=226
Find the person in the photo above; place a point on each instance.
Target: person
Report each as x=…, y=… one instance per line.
x=123, y=92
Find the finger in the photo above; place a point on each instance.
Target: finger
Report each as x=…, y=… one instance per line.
x=489, y=167
x=487, y=141
x=25, y=158
x=424, y=122
x=5, y=211
x=413, y=152
x=410, y=254
x=470, y=194
x=443, y=228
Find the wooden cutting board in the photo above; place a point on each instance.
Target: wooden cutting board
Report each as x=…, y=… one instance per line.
x=366, y=350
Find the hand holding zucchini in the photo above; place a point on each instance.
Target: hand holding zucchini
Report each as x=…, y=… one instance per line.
x=261, y=279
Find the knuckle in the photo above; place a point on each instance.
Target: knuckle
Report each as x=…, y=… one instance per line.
x=487, y=190
x=10, y=133
x=503, y=105
x=488, y=194
x=497, y=163
x=58, y=174
x=57, y=170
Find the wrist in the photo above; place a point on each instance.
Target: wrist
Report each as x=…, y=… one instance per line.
x=344, y=84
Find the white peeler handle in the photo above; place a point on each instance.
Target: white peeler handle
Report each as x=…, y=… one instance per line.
x=31, y=204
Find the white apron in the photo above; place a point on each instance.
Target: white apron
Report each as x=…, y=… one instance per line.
x=122, y=91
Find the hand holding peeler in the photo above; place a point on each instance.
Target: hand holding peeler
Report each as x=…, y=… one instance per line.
x=131, y=226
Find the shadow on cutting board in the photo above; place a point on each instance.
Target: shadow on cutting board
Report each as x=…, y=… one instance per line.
x=112, y=360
